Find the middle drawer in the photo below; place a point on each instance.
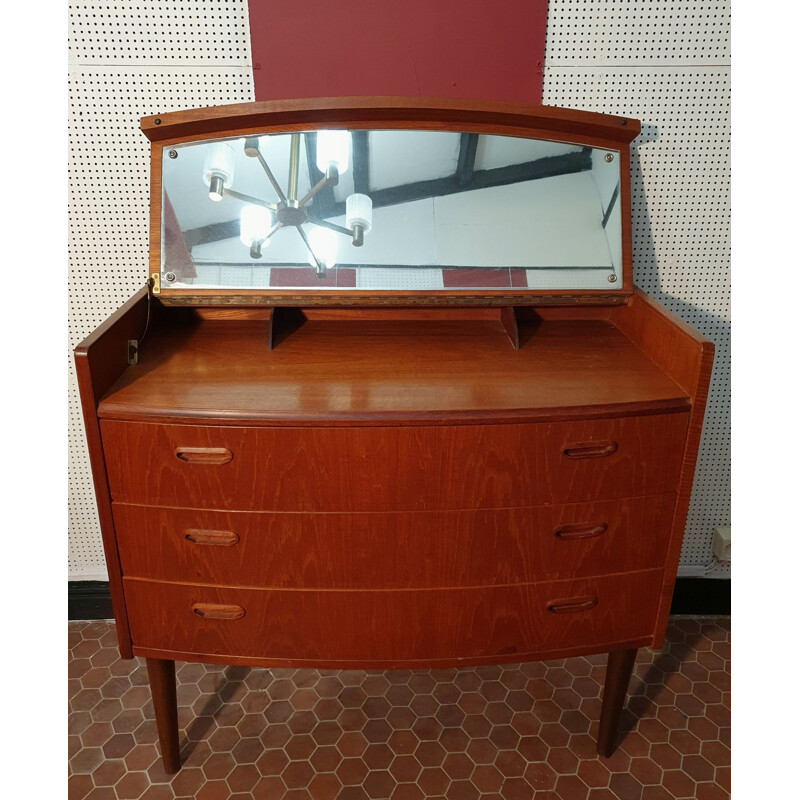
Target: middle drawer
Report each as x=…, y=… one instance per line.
x=393, y=550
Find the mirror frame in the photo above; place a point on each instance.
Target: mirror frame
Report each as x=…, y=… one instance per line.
x=390, y=113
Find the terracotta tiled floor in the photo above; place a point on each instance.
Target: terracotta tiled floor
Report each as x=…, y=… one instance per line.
x=513, y=732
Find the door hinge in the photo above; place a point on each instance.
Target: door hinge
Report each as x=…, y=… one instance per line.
x=133, y=352
x=156, y=276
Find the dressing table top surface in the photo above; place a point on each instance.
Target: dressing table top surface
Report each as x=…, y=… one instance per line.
x=390, y=371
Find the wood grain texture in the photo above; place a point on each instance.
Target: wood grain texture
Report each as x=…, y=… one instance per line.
x=666, y=340
x=508, y=319
x=393, y=550
x=627, y=225
x=339, y=369
x=567, y=651
x=99, y=360
x=373, y=628
x=156, y=194
x=669, y=342
x=370, y=298
x=408, y=112
x=393, y=469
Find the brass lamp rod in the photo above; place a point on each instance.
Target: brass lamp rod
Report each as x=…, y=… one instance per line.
x=294, y=167
x=248, y=199
x=275, y=185
x=323, y=223
x=330, y=179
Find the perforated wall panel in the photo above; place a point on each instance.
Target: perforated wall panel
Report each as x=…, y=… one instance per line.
x=128, y=58
x=666, y=63
x=162, y=33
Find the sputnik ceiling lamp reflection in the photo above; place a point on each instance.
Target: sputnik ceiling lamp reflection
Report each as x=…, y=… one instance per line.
x=260, y=220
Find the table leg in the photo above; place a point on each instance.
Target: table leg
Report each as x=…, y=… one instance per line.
x=618, y=675
x=165, y=703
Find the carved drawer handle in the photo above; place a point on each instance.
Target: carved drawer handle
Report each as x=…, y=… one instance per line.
x=586, y=531
x=214, y=611
x=590, y=450
x=219, y=538
x=572, y=604
x=204, y=455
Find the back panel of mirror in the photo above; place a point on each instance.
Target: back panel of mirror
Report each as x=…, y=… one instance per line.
x=390, y=211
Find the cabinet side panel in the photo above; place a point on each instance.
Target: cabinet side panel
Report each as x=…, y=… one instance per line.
x=686, y=356
x=99, y=360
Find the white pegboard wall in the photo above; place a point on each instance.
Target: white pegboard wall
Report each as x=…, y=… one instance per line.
x=664, y=62
x=159, y=33
x=638, y=33
x=668, y=65
x=128, y=59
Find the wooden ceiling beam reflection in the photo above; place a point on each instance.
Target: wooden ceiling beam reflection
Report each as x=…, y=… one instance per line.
x=548, y=167
x=361, y=179
x=466, y=158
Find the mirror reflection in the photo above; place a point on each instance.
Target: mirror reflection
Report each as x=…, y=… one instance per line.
x=391, y=211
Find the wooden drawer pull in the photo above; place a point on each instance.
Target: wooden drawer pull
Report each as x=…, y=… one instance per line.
x=219, y=538
x=586, y=531
x=591, y=450
x=204, y=455
x=572, y=604
x=214, y=611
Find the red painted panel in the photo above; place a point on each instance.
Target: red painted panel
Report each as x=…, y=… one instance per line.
x=478, y=278
x=299, y=276
x=462, y=278
x=419, y=48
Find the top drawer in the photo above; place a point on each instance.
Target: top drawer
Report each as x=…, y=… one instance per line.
x=392, y=468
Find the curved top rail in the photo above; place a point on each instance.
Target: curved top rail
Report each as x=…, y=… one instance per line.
x=433, y=113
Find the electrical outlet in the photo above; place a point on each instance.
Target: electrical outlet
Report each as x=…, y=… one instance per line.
x=721, y=542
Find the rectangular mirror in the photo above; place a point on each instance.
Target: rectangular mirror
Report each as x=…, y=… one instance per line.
x=390, y=210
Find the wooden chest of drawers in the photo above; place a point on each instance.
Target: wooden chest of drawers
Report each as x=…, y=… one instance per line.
x=356, y=530
x=366, y=474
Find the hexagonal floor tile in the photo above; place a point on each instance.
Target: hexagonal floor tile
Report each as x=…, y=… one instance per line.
x=490, y=731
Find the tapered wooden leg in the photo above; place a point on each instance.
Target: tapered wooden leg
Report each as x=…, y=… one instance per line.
x=165, y=702
x=618, y=676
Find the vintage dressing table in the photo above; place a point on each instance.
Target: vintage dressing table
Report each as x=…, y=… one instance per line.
x=390, y=398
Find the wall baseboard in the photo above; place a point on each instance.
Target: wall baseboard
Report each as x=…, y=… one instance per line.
x=711, y=596
x=704, y=596
x=89, y=600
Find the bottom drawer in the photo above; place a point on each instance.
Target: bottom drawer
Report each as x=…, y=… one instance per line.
x=391, y=628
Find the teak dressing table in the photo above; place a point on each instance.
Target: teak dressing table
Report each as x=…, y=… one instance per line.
x=433, y=425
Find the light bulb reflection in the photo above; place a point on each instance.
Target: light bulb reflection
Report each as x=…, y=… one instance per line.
x=333, y=147
x=254, y=225
x=218, y=169
x=325, y=244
